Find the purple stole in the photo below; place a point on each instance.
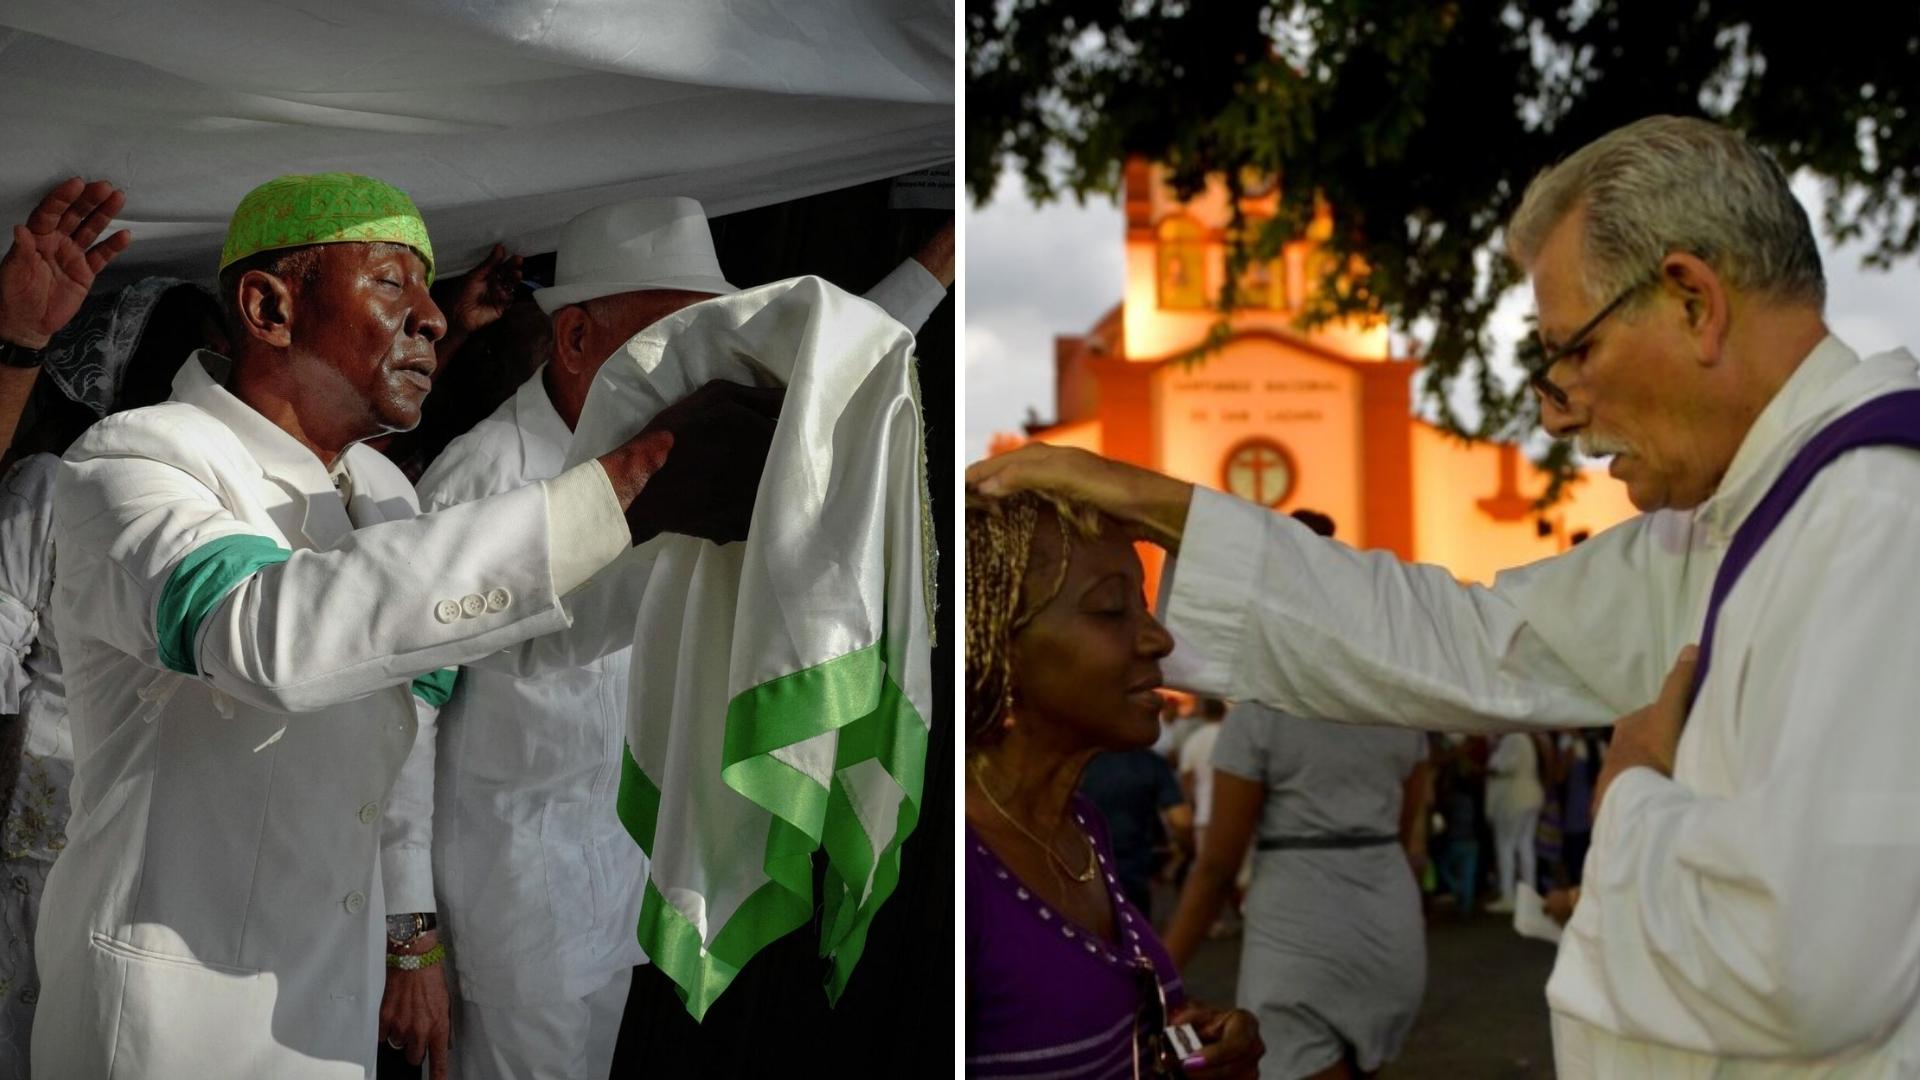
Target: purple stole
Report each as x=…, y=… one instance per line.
x=1891, y=420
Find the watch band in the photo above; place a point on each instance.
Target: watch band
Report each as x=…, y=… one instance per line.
x=18, y=356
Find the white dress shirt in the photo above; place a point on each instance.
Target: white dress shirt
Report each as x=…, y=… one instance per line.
x=1752, y=915
x=503, y=818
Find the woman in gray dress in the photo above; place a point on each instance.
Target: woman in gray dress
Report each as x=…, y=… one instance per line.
x=1333, y=962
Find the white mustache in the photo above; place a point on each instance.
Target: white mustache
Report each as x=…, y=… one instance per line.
x=1600, y=445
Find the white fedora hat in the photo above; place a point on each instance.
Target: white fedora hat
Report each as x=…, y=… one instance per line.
x=654, y=243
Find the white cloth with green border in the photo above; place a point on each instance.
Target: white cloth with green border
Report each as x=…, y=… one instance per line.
x=780, y=689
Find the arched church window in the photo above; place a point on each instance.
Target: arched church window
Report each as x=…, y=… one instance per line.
x=1182, y=264
x=1259, y=471
x=1263, y=282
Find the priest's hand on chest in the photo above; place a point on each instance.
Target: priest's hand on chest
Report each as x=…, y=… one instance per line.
x=696, y=467
x=1651, y=736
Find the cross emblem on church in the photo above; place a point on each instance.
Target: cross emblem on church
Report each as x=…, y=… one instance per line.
x=1259, y=471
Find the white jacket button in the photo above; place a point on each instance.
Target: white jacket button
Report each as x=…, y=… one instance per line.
x=473, y=605
x=369, y=813
x=355, y=903
x=447, y=610
x=498, y=598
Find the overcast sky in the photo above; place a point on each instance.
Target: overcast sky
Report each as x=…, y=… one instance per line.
x=1034, y=273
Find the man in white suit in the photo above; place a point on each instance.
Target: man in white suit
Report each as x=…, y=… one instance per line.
x=246, y=594
x=503, y=829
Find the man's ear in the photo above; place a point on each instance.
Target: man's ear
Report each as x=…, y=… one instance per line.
x=266, y=308
x=570, y=333
x=1704, y=301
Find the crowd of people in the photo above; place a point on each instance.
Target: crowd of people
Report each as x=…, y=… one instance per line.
x=314, y=716
x=1734, y=862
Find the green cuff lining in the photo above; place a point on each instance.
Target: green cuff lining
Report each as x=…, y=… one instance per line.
x=196, y=587
x=435, y=687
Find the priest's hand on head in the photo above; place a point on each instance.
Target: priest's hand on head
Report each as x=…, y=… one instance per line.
x=696, y=468
x=1152, y=506
x=51, y=265
x=1651, y=736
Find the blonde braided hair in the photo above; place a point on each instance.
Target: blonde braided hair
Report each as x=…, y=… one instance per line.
x=1000, y=537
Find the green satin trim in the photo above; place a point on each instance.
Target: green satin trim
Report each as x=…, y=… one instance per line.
x=856, y=695
x=639, y=801
x=196, y=587
x=435, y=687
x=894, y=735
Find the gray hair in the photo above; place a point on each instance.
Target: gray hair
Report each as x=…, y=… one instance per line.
x=1669, y=183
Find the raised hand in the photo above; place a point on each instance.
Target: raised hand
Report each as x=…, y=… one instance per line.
x=53, y=261
x=937, y=255
x=486, y=292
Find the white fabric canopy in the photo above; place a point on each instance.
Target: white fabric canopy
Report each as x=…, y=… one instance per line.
x=502, y=118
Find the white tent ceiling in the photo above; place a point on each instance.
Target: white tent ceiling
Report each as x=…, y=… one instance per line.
x=502, y=118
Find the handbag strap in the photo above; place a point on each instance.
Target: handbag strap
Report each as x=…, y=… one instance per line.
x=1892, y=420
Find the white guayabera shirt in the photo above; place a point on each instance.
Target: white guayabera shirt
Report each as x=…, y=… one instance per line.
x=1753, y=915
x=780, y=691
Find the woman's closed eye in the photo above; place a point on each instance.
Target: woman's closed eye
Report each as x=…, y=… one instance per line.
x=1107, y=599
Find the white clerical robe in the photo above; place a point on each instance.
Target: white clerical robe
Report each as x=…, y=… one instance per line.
x=1752, y=915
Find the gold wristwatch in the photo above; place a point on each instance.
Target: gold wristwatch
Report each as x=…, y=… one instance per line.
x=403, y=929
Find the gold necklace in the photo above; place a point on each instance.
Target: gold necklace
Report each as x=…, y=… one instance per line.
x=1093, y=865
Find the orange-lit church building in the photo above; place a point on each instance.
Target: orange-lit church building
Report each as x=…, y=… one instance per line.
x=1289, y=418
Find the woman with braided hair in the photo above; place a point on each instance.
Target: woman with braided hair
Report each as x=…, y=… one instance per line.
x=1064, y=975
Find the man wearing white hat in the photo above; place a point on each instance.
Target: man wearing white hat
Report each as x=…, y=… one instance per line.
x=526, y=860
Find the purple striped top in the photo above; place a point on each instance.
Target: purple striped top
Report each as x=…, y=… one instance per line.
x=1048, y=999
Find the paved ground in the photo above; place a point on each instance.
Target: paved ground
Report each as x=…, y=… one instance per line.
x=1485, y=1013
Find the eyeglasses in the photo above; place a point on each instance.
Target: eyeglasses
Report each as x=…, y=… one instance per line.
x=1152, y=1057
x=1537, y=375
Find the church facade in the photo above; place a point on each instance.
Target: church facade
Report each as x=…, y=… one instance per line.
x=1290, y=418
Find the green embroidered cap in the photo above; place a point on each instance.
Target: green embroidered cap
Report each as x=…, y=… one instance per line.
x=324, y=208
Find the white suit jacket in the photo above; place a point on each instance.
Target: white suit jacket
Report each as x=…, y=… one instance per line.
x=508, y=827
x=239, y=646
x=1751, y=916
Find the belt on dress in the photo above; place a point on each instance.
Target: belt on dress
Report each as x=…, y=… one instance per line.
x=1326, y=841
